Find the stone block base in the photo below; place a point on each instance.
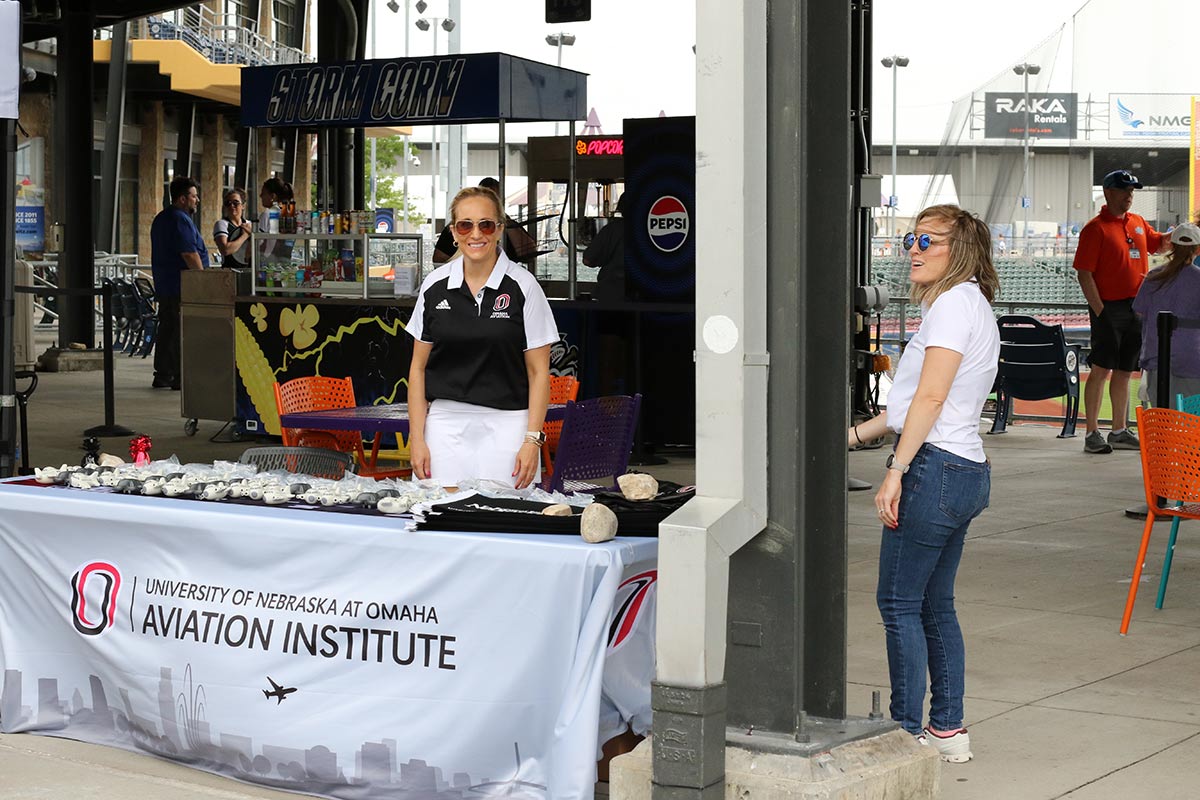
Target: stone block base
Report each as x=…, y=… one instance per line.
x=55, y=360
x=891, y=766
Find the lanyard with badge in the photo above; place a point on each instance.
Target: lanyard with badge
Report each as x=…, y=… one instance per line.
x=1134, y=253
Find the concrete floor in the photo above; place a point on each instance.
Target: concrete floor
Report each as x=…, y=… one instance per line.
x=1058, y=704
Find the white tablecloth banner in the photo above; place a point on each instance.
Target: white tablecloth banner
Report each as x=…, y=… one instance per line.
x=325, y=653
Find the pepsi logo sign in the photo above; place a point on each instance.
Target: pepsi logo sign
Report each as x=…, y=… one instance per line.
x=668, y=223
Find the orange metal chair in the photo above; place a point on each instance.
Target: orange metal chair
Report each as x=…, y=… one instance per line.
x=563, y=389
x=319, y=393
x=1171, y=470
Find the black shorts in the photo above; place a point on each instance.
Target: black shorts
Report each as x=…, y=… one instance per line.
x=1116, y=337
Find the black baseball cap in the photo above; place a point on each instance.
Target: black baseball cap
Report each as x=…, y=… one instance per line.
x=1121, y=179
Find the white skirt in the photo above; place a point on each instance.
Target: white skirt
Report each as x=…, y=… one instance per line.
x=469, y=441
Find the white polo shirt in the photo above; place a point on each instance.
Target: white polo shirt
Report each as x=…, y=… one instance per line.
x=479, y=341
x=961, y=320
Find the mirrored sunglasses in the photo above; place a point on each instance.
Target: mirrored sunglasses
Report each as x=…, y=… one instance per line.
x=923, y=242
x=486, y=226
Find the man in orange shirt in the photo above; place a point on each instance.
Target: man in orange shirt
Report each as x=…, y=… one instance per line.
x=1111, y=260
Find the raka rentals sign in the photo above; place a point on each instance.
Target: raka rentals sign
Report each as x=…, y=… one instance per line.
x=1149, y=116
x=480, y=87
x=1050, y=116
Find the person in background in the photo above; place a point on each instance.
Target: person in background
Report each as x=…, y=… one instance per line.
x=938, y=478
x=175, y=245
x=479, y=380
x=1174, y=287
x=519, y=246
x=231, y=232
x=1111, y=260
x=274, y=191
x=607, y=251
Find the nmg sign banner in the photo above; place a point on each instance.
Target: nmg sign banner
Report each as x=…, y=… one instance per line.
x=1149, y=116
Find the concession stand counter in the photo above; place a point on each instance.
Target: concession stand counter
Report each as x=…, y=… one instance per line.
x=287, y=331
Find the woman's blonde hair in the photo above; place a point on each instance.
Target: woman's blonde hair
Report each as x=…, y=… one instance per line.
x=1181, y=256
x=970, y=254
x=477, y=191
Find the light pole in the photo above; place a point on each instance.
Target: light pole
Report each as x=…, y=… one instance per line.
x=560, y=40
x=893, y=63
x=424, y=24
x=1025, y=70
x=393, y=7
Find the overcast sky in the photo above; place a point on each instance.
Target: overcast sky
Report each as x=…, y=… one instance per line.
x=638, y=53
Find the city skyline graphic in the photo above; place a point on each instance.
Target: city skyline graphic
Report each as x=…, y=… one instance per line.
x=182, y=733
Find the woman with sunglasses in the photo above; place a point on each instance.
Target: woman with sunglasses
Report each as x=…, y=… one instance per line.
x=938, y=478
x=232, y=231
x=479, y=382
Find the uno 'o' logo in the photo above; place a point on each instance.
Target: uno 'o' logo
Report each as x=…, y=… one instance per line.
x=88, y=621
x=502, y=302
x=668, y=223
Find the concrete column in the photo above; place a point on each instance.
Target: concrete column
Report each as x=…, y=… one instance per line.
x=266, y=20
x=150, y=174
x=211, y=161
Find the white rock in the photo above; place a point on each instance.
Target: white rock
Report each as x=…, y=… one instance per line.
x=47, y=475
x=557, y=510
x=392, y=505
x=598, y=524
x=109, y=460
x=638, y=486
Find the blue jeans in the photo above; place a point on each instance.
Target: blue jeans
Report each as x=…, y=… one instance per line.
x=941, y=494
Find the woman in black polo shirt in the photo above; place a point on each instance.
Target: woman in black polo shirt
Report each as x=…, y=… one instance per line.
x=482, y=332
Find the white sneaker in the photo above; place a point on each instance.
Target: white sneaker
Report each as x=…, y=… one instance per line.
x=955, y=748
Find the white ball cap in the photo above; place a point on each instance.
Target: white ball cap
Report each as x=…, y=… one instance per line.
x=1186, y=234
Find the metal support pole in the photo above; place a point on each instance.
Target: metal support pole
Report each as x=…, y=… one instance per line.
x=435, y=167
x=8, y=386
x=110, y=426
x=892, y=199
x=374, y=54
x=1025, y=202
x=502, y=159
x=110, y=159
x=186, y=135
x=571, y=255
x=407, y=142
x=76, y=269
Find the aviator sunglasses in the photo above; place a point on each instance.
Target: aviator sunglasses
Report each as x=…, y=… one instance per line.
x=923, y=242
x=486, y=226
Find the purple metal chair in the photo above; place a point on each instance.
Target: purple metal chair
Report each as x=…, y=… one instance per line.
x=597, y=437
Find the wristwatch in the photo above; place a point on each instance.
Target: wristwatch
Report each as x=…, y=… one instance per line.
x=536, y=437
x=892, y=463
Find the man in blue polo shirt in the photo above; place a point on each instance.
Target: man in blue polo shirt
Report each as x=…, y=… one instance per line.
x=175, y=245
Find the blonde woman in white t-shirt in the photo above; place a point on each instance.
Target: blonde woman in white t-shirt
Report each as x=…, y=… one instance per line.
x=938, y=478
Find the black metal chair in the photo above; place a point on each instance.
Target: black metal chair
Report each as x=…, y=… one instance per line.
x=126, y=295
x=1036, y=363
x=148, y=314
x=315, y=461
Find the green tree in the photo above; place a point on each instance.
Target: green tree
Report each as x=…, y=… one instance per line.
x=389, y=189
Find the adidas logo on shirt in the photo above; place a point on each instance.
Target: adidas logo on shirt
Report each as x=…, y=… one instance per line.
x=442, y=306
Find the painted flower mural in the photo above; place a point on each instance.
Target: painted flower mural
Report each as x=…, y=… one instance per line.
x=300, y=324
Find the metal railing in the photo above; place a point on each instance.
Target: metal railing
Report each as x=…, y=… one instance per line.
x=104, y=266
x=220, y=38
